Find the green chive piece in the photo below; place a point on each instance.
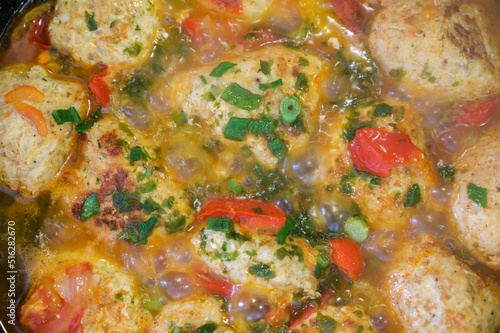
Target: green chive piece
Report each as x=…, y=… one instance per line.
x=66, y=116
x=302, y=83
x=221, y=69
x=180, y=118
x=235, y=187
x=274, y=84
x=261, y=270
x=236, y=128
x=176, y=224
x=357, y=229
x=262, y=176
x=412, y=196
x=397, y=73
x=262, y=126
x=277, y=148
x=286, y=230
x=202, y=78
x=241, y=97
x=91, y=23
x=136, y=154
x=290, y=108
x=303, y=62
x=326, y=323
x=207, y=328
x=477, y=194
x=265, y=67
x=90, y=207
x=134, y=49
x=383, y=110
x=321, y=265
x=222, y=224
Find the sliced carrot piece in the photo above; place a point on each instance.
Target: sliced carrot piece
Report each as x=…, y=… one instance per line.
x=24, y=93
x=34, y=115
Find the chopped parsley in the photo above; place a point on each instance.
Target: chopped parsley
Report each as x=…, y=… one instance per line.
x=138, y=233
x=124, y=201
x=412, y=196
x=90, y=207
x=175, y=225
x=134, y=49
x=302, y=83
x=447, y=172
x=382, y=110
x=262, y=270
x=91, y=23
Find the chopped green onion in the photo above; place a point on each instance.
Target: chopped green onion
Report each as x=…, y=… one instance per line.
x=221, y=69
x=382, y=110
x=176, y=224
x=91, y=23
x=477, y=194
x=134, y=49
x=241, y=97
x=119, y=296
x=262, y=126
x=274, y=84
x=286, y=229
x=412, y=196
x=180, y=118
x=302, y=83
x=237, y=188
x=90, y=207
x=66, y=116
x=261, y=270
x=136, y=154
x=303, y=62
x=222, y=224
x=208, y=96
x=290, y=108
x=262, y=176
x=397, y=73
x=236, y=128
x=265, y=67
x=321, y=265
x=357, y=229
x=277, y=148
x=207, y=328
x=202, y=78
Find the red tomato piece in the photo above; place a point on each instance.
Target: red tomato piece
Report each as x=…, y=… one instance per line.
x=478, y=114
x=39, y=33
x=190, y=26
x=251, y=214
x=215, y=284
x=347, y=255
x=101, y=89
x=377, y=151
x=352, y=13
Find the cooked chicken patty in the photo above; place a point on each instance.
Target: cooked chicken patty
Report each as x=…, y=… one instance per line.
x=433, y=291
x=478, y=226
x=33, y=148
x=443, y=46
x=91, y=294
x=107, y=32
x=286, y=73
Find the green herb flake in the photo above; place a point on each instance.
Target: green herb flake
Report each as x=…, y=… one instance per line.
x=149, y=206
x=426, y=73
x=477, y=194
x=138, y=233
x=303, y=62
x=137, y=154
x=90, y=207
x=284, y=231
x=431, y=79
x=125, y=202
x=221, y=69
x=321, y=265
x=119, y=296
x=412, y=196
x=134, y=49
x=455, y=84
x=325, y=324
x=222, y=224
x=203, y=79
x=262, y=270
x=270, y=85
x=240, y=97
x=262, y=126
x=66, y=116
x=91, y=23
x=265, y=67
x=207, y=328
x=235, y=187
x=277, y=148
x=447, y=172
x=397, y=73
x=302, y=83
x=383, y=110
x=85, y=125
x=113, y=24
x=236, y=128
x=296, y=251
x=176, y=224
x=180, y=118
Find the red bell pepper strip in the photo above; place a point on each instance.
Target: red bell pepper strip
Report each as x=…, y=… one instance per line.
x=352, y=13
x=478, y=114
x=347, y=255
x=100, y=89
x=249, y=213
x=377, y=151
x=215, y=284
x=39, y=33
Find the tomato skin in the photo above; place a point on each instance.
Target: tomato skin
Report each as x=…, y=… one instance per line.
x=251, y=214
x=346, y=254
x=478, y=114
x=352, y=13
x=101, y=89
x=39, y=32
x=377, y=151
x=215, y=284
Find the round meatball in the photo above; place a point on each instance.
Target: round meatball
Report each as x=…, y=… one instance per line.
x=92, y=295
x=33, y=147
x=108, y=32
x=441, y=46
x=433, y=291
x=478, y=226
